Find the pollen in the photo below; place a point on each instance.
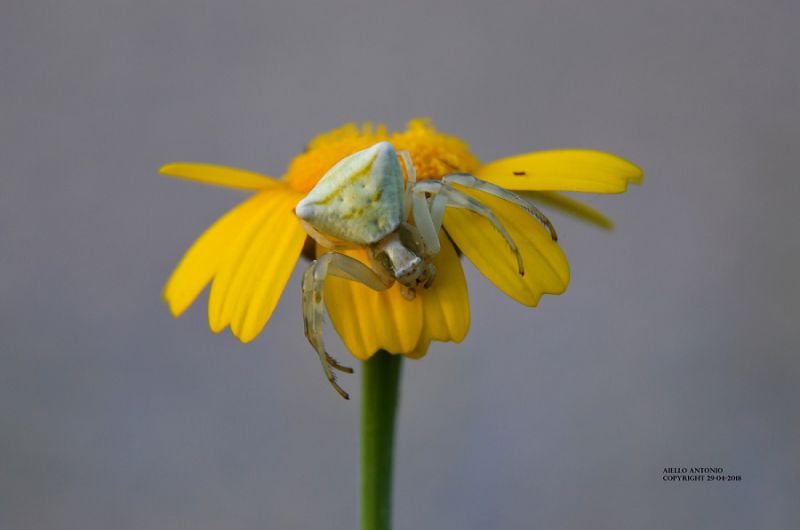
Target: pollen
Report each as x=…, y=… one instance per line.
x=433, y=153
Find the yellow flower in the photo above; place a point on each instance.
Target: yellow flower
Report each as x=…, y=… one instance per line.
x=250, y=252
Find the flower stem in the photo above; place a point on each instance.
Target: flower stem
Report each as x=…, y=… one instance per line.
x=380, y=382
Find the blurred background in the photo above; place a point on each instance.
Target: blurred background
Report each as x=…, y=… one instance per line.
x=677, y=343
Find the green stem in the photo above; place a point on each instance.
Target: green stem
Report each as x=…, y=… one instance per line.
x=381, y=382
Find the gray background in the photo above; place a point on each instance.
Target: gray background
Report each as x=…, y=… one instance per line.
x=676, y=344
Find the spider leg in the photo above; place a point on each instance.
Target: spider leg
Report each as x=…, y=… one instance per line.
x=411, y=179
x=342, y=266
x=445, y=195
x=421, y=209
x=469, y=181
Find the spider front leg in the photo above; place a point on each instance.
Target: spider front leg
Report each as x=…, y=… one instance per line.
x=342, y=266
x=428, y=214
x=469, y=181
x=411, y=179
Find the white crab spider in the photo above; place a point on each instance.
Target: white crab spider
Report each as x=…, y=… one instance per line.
x=364, y=201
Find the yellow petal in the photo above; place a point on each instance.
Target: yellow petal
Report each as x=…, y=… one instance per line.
x=367, y=320
x=564, y=170
x=230, y=177
x=546, y=267
x=570, y=206
x=202, y=260
x=256, y=266
x=445, y=305
x=422, y=346
x=221, y=299
x=270, y=273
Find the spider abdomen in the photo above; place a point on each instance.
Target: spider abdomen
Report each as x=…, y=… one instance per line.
x=360, y=199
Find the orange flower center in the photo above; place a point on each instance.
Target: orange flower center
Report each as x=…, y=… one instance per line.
x=433, y=153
